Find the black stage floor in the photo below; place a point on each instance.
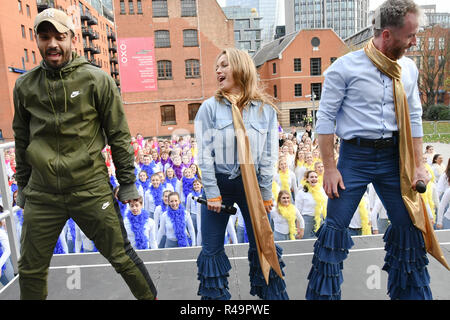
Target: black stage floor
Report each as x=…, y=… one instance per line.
x=89, y=276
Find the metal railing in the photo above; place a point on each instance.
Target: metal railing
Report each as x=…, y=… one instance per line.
x=8, y=213
x=436, y=127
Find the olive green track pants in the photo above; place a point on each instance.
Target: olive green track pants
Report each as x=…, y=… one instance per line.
x=97, y=214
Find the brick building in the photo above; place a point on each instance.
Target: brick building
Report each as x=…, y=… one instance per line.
x=432, y=57
x=188, y=35
x=292, y=67
x=19, y=52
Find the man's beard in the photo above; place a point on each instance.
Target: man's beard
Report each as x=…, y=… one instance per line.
x=59, y=66
x=397, y=52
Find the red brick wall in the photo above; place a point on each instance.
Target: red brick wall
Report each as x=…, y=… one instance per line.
x=285, y=78
x=12, y=46
x=215, y=33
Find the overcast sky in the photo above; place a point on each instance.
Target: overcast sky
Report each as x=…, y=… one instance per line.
x=441, y=5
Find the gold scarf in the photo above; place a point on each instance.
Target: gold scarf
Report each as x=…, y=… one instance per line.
x=320, y=209
x=284, y=179
x=411, y=198
x=427, y=197
x=275, y=190
x=265, y=244
x=364, y=216
x=289, y=214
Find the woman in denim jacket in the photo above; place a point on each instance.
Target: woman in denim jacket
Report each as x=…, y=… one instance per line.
x=221, y=177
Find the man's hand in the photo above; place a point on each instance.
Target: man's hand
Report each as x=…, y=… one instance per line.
x=332, y=179
x=116, y=192
x=420, y=174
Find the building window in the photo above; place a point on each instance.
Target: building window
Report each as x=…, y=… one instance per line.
x=297, y=64
x=22, y=27
x=317, y=89
x=25, y=53
x=431, y=63
x=431, y=43
x=160, y=8
x=274, y=68
x=168, y=115
x=20, y=6
x=441, y=61
x=139, y=6
x=275, y=91
x=122, y=7
x=316, y=66
x=245, y=45
x=164, y=70
x=296, y=117
x=31, y=33
x=192, y=111
x=441, y=43
x=188, y=8
x=332, y=59
x=162, y=39
x=130, y=7
x=192, y=68
x=190, y=38
x=28, y=11
x=33, y=55
x=298, y=90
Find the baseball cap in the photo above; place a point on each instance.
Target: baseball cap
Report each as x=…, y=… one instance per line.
x=60, y=20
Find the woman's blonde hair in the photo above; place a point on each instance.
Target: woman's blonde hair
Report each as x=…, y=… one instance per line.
x=246, y=77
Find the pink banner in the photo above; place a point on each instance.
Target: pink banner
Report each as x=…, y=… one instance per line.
x=137, y=64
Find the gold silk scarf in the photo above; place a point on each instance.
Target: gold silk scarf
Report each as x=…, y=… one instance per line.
x=413, y=201
x=265, y=244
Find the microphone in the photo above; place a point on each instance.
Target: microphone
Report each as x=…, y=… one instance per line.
x=225, y=208
x=421, y=187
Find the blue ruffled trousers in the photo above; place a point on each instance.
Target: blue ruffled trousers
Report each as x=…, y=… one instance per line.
x=405, y=261
x=212, y=262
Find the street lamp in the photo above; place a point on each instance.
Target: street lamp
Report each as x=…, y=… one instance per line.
x=313, y=97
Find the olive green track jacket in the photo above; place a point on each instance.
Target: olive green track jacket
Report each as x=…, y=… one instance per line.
x=62, y=121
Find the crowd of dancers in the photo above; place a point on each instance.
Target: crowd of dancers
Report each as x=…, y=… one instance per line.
x=168, y=179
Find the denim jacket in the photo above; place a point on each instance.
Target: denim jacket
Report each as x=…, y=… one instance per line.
x=217, y=148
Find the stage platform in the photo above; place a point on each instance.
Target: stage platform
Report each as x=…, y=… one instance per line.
x=89, y=276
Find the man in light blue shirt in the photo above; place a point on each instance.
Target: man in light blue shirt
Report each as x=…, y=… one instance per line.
x=357, y=104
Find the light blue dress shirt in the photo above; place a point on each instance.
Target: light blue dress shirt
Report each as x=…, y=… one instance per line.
x=358, y=98
x=217, y=147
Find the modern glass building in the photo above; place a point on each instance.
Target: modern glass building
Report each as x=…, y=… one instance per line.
x=269, y=10
x=345, y=17
x=247, y=29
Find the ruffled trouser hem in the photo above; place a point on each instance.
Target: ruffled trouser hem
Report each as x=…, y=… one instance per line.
x=330, y=250
x=213, y=276
x=405, y=263
x=276, y=290
x=213, y=272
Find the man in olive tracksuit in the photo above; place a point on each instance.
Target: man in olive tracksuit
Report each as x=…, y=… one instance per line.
x=65, y=111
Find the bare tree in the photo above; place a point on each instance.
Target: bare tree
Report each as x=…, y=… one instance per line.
x=432, y=56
